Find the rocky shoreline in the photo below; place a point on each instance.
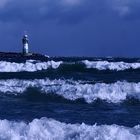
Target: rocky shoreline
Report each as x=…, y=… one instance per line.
x=14, y=55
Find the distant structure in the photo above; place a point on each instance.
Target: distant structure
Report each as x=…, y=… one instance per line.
x=25, y=42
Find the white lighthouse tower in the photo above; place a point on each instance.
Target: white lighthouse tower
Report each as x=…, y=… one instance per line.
x=25, y=42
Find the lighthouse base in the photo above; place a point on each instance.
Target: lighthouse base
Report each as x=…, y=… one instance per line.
x=25, y=49
x=27, y=54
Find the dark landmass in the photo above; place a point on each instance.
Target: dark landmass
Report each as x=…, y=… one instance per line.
x=21, y=56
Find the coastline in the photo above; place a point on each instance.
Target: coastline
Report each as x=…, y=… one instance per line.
x=21, y=56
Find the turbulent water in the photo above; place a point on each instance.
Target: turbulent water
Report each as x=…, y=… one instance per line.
x=70, y=99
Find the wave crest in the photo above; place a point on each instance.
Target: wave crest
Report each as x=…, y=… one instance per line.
x=34, y=65
x=28, y=66
x=105, y=65
x=49, y=129
x=73, y=90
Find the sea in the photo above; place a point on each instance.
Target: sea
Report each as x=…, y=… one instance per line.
x=70, y=98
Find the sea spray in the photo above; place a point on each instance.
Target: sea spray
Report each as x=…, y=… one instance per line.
x=73, y=90
x=49, y=129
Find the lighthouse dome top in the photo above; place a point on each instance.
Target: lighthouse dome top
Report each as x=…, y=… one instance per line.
x=26, y=36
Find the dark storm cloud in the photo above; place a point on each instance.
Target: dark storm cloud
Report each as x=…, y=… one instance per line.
x=127, y=9
x=64, y=11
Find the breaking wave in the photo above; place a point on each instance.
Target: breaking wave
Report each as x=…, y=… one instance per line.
x=49, y=129
x=105, y=65
x=34, y=65
x=28, y=66
x=73, y=90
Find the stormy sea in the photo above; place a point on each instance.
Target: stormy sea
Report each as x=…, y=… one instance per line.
x=70, y=99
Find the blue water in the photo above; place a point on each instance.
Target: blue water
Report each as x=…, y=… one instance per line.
x=67, y=96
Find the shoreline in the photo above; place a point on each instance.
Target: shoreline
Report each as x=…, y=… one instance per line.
x=15, y=55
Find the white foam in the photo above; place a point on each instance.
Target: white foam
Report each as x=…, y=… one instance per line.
x=49, y=129
x=72, y=90
x=29, y=66
x=104, y=65
x=33, y=65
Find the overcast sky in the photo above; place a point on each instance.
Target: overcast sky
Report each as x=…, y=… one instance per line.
x=72, y=27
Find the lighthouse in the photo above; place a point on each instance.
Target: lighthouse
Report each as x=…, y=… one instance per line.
x=25, y=42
